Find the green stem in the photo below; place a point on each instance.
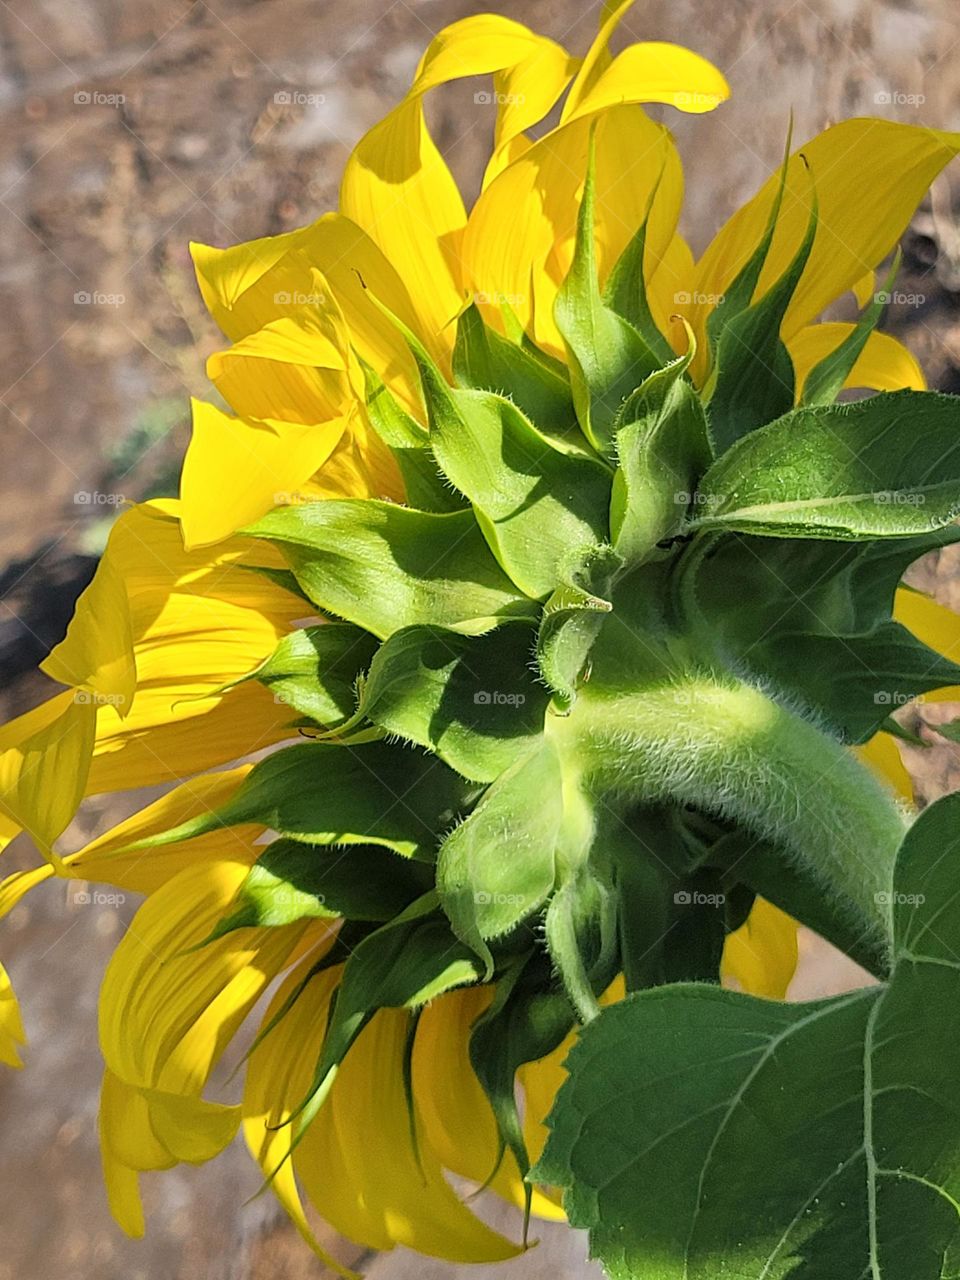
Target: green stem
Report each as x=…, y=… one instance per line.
x=725, y=748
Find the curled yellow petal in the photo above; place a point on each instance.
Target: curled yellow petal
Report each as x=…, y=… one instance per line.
x=882, y=755
x=237, y=469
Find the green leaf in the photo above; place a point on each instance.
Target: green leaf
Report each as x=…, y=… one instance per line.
x=315, y=670
x=292, y=881
x=753, y=379
x=663, y=451
x=473, y=700
x=880, y=468
x=608, y=357
x=826, y=379
x=384, y=567
x=816, y=1140
x=572, y=619
x=410, y=445
x=498, y=867
x=326, y=793
x=485, y=361
x=538, y=505
x=950, y=731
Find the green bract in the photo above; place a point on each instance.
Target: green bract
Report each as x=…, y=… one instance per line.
x=585, y=697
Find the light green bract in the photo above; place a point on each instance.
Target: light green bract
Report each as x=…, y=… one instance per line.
x=575, y=707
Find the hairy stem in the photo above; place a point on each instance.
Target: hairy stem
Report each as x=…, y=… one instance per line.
x=726, y=748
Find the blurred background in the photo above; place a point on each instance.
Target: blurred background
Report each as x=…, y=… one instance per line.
x=130, y=127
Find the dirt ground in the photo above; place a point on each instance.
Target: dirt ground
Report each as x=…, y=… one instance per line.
x=130, y=127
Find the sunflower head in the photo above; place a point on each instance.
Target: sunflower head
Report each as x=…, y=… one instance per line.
x=566, y=584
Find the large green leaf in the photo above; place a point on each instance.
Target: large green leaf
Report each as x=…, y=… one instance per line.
x=884, y=467
x=473, y=700
x=327, y=793
x=812, y=1141
x=384, y=567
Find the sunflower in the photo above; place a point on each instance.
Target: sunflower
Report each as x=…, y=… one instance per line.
x=547, y=721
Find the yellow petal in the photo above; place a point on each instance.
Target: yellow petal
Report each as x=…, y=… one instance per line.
x=884, y=364
x=168, y=1012
x=396, y=184
x=11, y=1026
x=97, y=652
x=110, y=859
x=761, y=956
x=248, y=286
x=237, y=469
x=931, y=622
x=519, y=241
x=43, y=773
x=367, y=1181
x=279, y=1073
x=882, y=755
x=200, y=620
x=895, y=163
x=458, y=1120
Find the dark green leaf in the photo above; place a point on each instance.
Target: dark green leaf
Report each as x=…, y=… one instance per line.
x=884, y=467
x=815, y=1140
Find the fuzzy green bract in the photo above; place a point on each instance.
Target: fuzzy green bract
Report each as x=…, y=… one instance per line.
x=583, y=699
